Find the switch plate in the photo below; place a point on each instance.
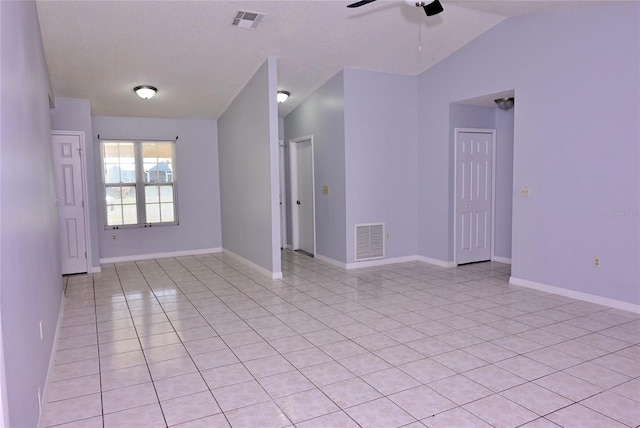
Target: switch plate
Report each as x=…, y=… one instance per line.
x=325, y=190
x=524, y=191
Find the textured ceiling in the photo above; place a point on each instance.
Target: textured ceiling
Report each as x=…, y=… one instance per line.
x=100, y=50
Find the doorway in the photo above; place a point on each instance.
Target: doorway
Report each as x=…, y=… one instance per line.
x=68, y=158
x=474, y=209
x=303, y=220
x=283, y=197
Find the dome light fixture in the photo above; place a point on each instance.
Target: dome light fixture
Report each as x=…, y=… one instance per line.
x=282, y=96
x=505, y=103
x=145, y=91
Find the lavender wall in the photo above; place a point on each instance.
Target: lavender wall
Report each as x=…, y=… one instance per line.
x=381, y=166
x=322, y=115
x=30, y=276
x=72, y=114
x=197, y=180
x=249, y=175
x=576, y=144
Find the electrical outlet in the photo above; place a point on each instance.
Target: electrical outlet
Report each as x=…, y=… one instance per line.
x=596, y=262
x=41, y=333
x=524, y=191
x=114, y=236
x=388, y=235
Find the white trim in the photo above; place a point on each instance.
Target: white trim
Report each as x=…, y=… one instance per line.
x=136, y=257
x=52, y=360
x=455, y=187
x=381, y=262
x=501, y=259
x=435, y=262
x=592, y=298
x=85, y=192
x=293, y=181
x=4, y=404
x=330, y=261
x=94, y=269
x=266, y=272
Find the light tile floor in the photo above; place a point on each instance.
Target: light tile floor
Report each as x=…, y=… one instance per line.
x=203, y=341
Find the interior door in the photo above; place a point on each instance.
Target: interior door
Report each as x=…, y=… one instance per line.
x=304, y=198
x=283, y=207
x=474, y=196
x=67, y=153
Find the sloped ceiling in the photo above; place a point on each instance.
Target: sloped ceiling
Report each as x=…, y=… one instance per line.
x=100, y=50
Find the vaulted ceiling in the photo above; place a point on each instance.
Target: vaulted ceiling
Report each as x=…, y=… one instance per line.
x=100, y=50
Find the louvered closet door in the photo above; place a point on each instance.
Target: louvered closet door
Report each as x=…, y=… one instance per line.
x=473, y=196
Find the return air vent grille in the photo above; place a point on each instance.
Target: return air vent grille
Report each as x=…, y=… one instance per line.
x=369, y=243
x=249, y=20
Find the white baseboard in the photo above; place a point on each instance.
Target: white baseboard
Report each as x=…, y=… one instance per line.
x=266, y=272
x=94, y=269
x=380, y=262
x=591, y=298
x=137, y=257
x=330, y=261
x=501, y=259
x=435, y=262
x=44, y=396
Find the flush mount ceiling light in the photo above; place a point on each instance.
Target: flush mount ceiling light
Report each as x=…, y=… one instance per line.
x=145, y=91
x=505, y=103
x=283, y=96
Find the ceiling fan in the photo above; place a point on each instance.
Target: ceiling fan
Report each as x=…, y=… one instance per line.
x=431, y=8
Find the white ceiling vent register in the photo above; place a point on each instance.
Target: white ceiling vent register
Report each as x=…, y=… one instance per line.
x=369, y=243
x=248, y=20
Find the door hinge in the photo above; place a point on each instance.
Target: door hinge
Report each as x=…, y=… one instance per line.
x=85, y=254
x=82, y=204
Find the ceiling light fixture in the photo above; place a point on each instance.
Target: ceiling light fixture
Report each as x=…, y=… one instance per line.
x=505, y=103
x=145, y=91
x=283, y=96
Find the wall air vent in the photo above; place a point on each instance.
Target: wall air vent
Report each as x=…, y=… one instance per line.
x=369, y=241
x=249, y=20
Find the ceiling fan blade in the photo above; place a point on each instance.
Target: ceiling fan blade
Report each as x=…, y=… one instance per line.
x=360, y=3
x=433, y=8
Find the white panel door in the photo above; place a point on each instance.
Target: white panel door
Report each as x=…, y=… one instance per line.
x=304, y=199
x=474, y=192
x=69, y=193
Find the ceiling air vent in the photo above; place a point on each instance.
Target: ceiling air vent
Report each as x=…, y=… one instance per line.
x=369, y=243
x=248, y=20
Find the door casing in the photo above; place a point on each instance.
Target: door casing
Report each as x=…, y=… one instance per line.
x=294, y=173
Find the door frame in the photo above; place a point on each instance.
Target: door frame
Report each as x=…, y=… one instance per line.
x=85, y=194
x=458, y=131
x=293, y=171
x=283, y=195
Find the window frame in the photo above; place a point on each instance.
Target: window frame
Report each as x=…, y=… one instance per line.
x=140, y=184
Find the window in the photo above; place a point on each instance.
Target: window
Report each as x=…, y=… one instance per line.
x=139, y=182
